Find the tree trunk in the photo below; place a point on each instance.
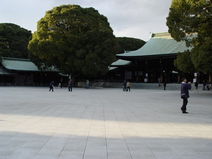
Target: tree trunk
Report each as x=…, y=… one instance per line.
x=210, y=78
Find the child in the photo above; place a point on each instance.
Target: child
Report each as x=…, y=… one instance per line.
x=128, y=86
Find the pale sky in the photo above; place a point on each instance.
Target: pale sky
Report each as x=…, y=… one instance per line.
x=127, y=18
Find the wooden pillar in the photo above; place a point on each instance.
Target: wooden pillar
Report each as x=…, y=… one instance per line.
x=161, y=69
x=146, y=77
x=179, y=77
x=136, y=73
x=210, y=78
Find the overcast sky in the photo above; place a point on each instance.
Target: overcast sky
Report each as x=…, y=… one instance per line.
x=127, y=18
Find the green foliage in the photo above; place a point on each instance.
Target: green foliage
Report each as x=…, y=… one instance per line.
x=75, y=40
x=193, y=17
x=14, y=40
x=190, y=17
x=183, y=62
x=201, y=57
x=129, y=44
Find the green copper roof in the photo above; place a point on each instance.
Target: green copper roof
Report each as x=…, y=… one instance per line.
x=4, y=72
x=120, y=63
x=18, y=64
x=159, y=44
x=112, y=68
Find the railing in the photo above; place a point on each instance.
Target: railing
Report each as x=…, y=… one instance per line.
x=98, y=84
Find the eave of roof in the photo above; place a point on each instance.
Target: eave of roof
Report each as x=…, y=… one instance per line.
x=4, y=72
x=120, y=63
x=112, y=68
x=18, y=64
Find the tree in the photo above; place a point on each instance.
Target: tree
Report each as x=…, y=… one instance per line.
x=201, y=57
x=129, y=44
x=191, y=21
x=183, y=62
x=74, y=40
x=14, y=40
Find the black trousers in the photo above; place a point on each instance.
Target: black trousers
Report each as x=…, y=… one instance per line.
x=70, y=88
x=51, y=88
x=185, y=102
x=128, y=89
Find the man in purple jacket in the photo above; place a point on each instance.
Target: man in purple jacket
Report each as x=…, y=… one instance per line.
x=185, y=94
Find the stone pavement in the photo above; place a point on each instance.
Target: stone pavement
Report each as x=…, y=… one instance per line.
x=103, y=124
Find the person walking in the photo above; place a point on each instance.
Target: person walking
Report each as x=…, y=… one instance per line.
x=51, y=86
x=185, y=94
x=207, y=85
x=196, y=86
x=124, y=85
x=61, y=83
x=204, y=85
x=70, y=83
x=159, y=82
x=164, y=85
x=87, y=84
x=128, y=86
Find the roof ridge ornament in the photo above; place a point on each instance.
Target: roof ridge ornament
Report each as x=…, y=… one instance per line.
x=152, y=35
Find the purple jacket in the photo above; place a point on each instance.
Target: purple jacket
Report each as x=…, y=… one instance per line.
x=184, y=89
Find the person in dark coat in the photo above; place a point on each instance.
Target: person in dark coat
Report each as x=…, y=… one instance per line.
x=87, y=84
x=185, y=94
x=124, y=85
x=196, y=86
x=204, y=85
x=164, y=85
x=51, y=86
x=70, y=83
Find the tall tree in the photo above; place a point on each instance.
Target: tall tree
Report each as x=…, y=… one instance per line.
x=129, y=44
x=14, y=40
x=74, y=40
x=191, y=21
x=183, y=62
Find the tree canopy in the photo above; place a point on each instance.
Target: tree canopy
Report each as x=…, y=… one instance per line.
x=129, y=44
x=74, y=40
x=193, y=19
x=183, y=62
x=14, y=40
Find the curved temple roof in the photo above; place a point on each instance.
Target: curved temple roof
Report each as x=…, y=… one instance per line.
x=18, y=64
x=120, y=63
x=158, y=44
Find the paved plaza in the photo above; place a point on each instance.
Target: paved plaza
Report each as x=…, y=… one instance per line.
x=103, y=124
